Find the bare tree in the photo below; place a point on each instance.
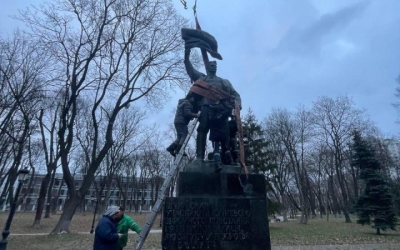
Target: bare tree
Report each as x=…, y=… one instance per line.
x=334, y=121
x=48, y=123
x=282, y=175
x=293, y=132
x=34, y=158
x=22, y=67
x=127, y=179
x=112, y=53
x=130, y=135
x=157, y=160
x=317, y=164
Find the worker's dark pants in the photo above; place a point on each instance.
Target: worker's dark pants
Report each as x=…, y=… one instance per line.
x=181, y=134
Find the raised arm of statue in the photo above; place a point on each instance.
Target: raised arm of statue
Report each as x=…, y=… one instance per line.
x=193, y=74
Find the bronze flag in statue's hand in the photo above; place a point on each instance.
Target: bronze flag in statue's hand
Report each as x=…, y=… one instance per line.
x=200, y=39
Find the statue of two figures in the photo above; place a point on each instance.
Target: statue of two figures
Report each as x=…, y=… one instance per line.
x=215, y=98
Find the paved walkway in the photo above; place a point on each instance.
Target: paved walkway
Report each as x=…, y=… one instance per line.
x=332, y=247
x=341, y=247
x=315, y=247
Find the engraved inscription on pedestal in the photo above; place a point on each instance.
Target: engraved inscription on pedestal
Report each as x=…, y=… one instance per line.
x=207, y=223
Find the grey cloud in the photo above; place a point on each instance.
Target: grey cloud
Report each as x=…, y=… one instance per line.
x=309, y=40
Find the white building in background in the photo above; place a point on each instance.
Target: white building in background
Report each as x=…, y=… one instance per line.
x=112, y=196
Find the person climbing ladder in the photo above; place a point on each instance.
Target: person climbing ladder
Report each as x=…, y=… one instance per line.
x=184, y=113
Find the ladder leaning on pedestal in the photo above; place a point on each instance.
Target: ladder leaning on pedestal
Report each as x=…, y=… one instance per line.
x=164, y=188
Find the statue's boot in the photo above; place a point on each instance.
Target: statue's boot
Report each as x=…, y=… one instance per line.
x=217, y=163
x=171, y=148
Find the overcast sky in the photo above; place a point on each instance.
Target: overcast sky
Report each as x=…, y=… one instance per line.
x=289, y=52
x=282, y=53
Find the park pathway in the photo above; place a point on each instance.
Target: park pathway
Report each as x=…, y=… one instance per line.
x=332, y=247
x=341, y=247
x=314, y=247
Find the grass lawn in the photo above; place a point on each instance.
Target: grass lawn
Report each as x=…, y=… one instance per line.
x=22, y=224
x=71, y=242
x=334, y=232
x=317, y=232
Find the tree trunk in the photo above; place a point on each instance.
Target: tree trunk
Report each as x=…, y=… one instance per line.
x=41, y=200
x=345, y=199
x=131, y=199
x=28, y=189
x=69, y=210
x=54, y=208
x=5, y=193
x=378, y=231
x=9, y=186
x=322, y=209
x=304, y=202
x=152, y=198
x=331, y=191
x=49, y=195
x=311, y=197
x=304, y=210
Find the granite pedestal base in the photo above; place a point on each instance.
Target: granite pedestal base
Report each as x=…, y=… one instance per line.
x=217, y=211
x=207, y=166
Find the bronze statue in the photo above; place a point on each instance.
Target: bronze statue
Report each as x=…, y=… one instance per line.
x=215, y=81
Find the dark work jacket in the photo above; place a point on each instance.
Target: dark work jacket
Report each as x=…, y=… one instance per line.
x=106, y=235
x=218, y=122
x=184, y=112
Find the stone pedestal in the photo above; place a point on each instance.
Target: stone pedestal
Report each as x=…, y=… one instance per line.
x=217, y=211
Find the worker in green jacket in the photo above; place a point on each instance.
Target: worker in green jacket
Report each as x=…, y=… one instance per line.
x=124, y=225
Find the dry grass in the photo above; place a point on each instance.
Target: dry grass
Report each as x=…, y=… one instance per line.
x=71, y=242
x=334, y=232
x=318, y=232
x=22, y=222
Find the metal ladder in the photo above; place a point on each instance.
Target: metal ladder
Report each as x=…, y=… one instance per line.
x=164, y=188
